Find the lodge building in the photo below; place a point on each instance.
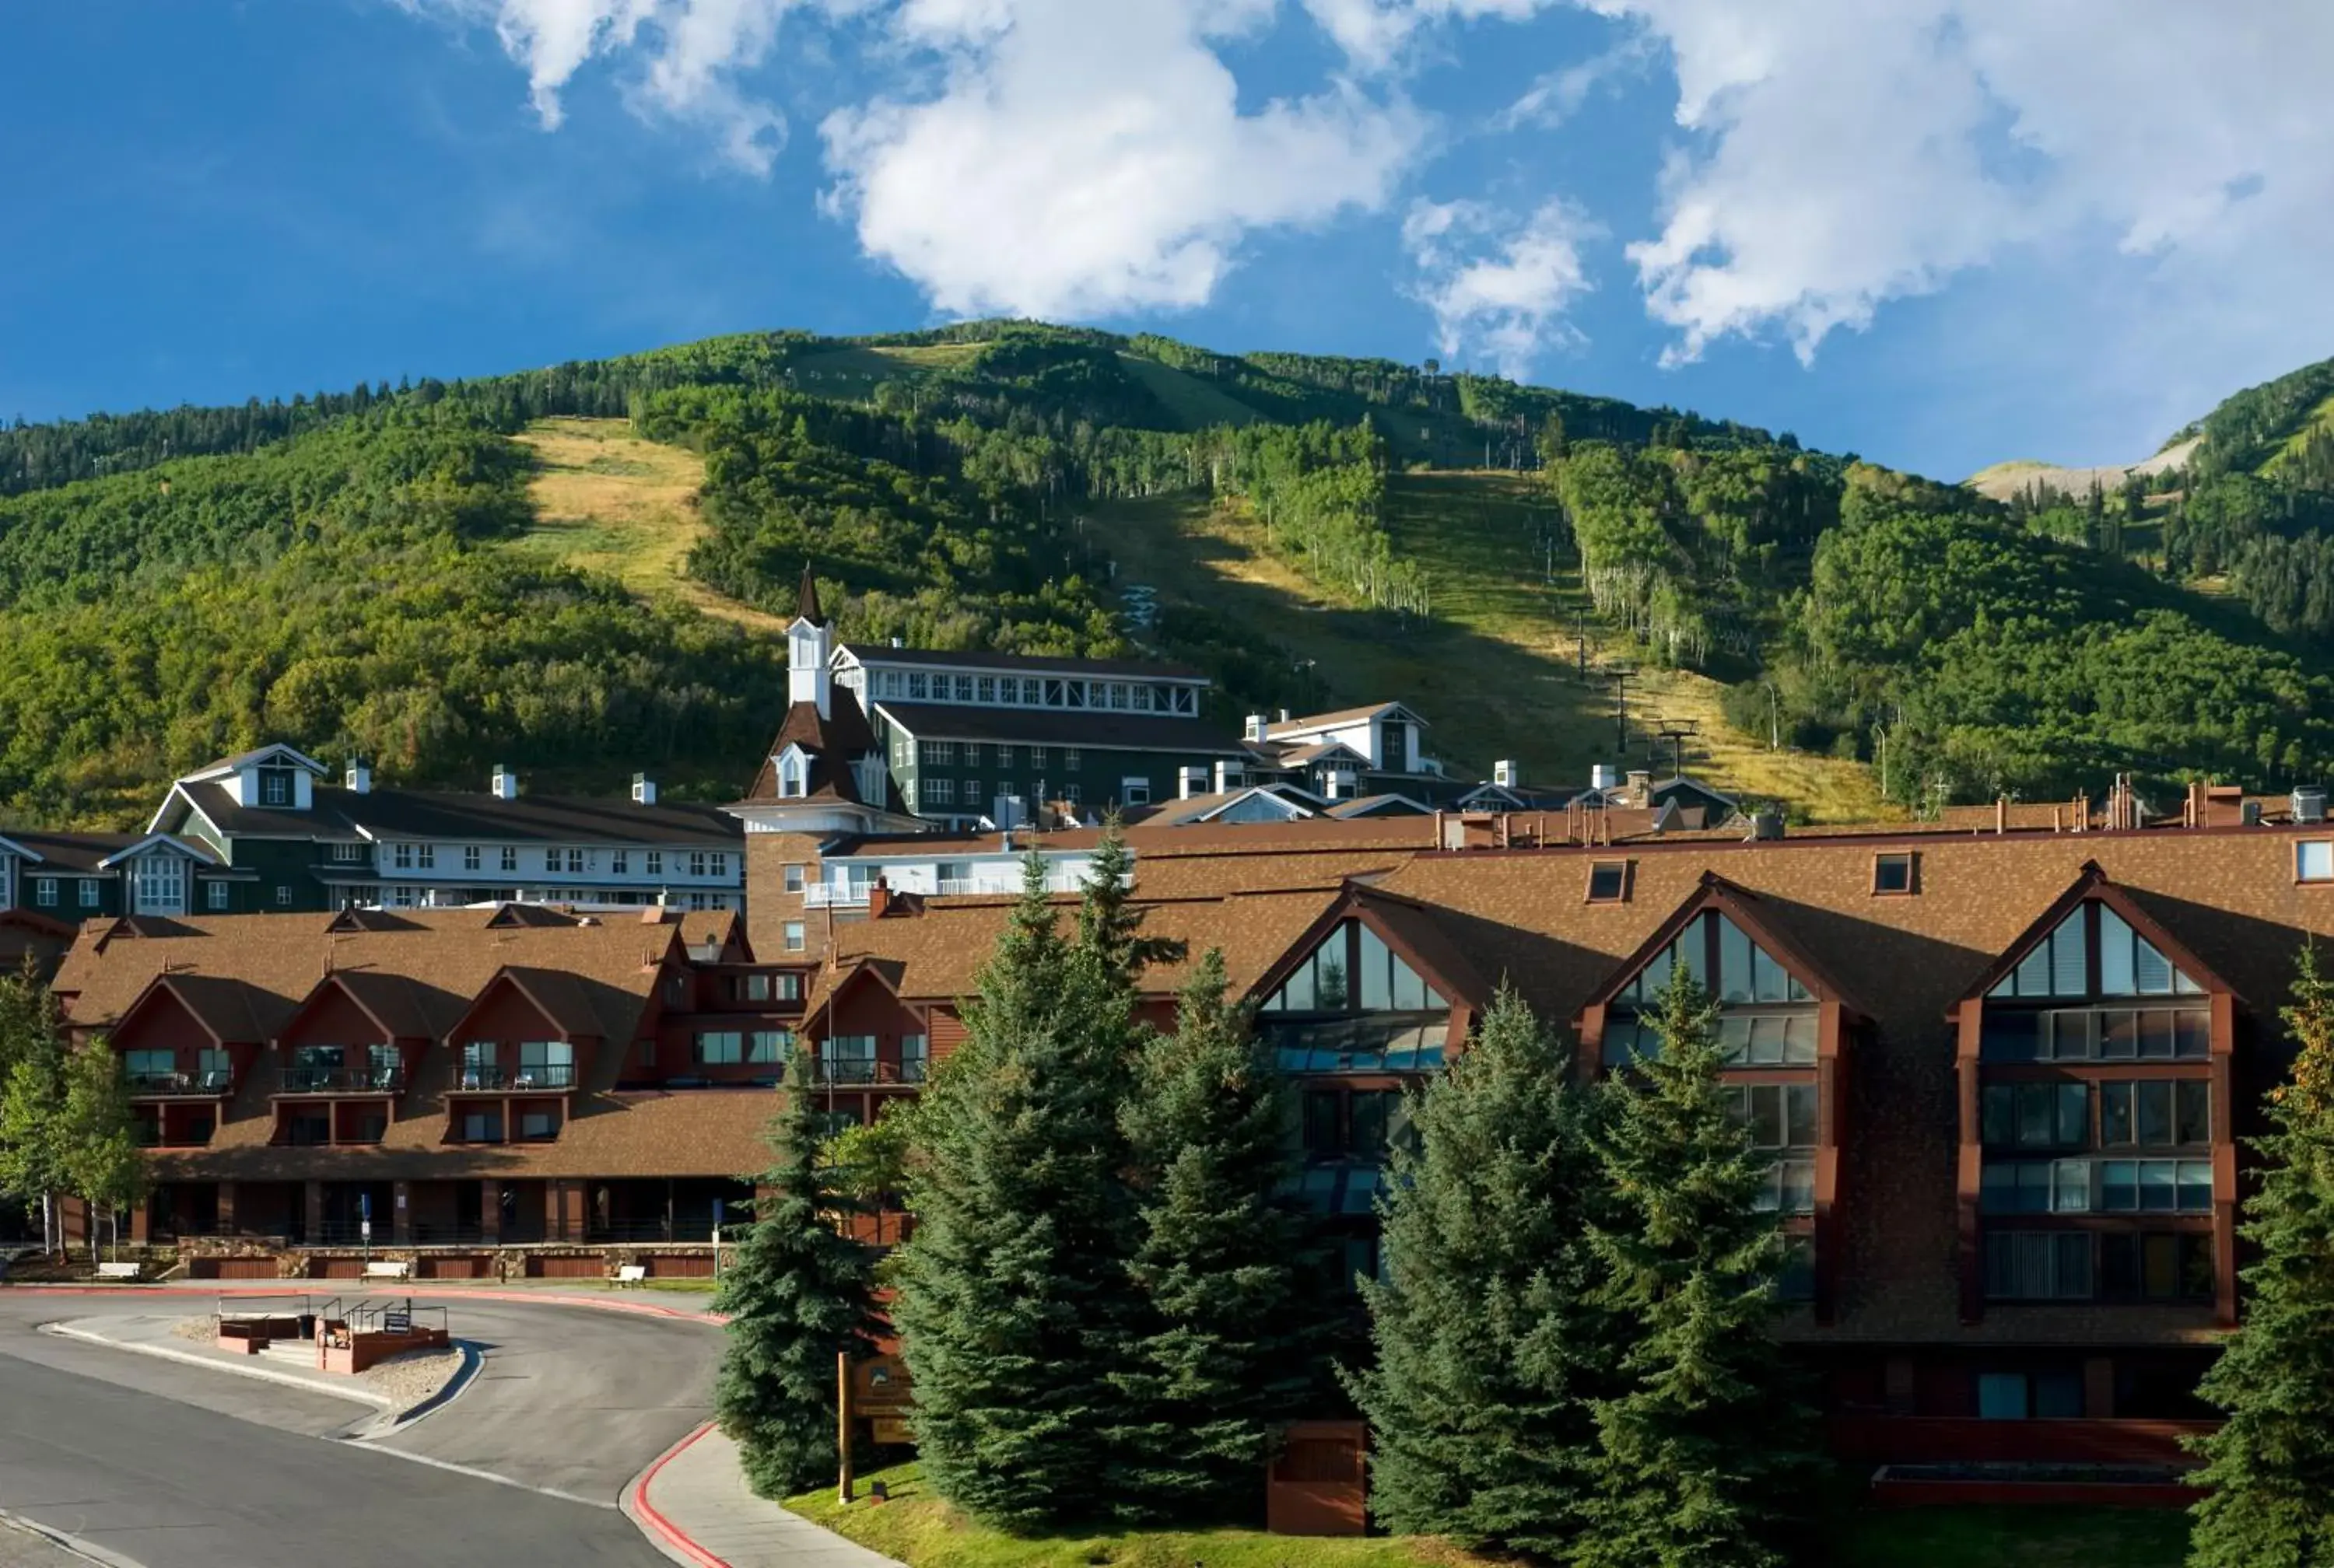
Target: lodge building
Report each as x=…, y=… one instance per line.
x=2004, y=1060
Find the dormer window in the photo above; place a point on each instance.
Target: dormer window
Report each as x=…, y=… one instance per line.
x=275, y=786
x=794, y=774
x=1608, y=881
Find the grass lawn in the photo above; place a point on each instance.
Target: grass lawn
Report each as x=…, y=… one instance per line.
x=1496, y=670
x=606, y=501
x=2033, y=1537
x=923, y=1531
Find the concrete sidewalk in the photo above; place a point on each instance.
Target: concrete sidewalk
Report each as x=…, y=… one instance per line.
x=694, y=1502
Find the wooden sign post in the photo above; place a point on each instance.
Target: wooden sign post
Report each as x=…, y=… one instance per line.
x=843, y=1421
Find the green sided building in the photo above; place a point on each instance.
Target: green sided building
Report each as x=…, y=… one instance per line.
x=968, y=736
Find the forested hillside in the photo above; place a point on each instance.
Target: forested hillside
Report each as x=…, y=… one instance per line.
x=348, y=571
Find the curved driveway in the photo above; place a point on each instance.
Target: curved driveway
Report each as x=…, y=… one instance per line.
x=180, y=1466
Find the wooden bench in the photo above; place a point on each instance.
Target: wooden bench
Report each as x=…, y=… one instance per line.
x=631, y=1273
x=388, y=1270
x=118, y=1270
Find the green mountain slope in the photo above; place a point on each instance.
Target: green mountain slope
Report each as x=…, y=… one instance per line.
x=577, y=570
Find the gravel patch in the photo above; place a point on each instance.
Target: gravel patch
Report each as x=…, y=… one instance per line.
x=203, y=1329
x=413, y=1377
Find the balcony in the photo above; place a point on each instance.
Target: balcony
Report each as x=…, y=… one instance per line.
x=341, y=1080
x=216, y=1083
x=854, y=894
x=494, y=1080
x=859, y=1070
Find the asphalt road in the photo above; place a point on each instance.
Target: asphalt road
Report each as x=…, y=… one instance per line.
x=177, y=1467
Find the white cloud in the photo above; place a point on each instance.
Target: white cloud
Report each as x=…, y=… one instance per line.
x=1840, y=153
x=693, y=51
x=1556, y=96
x=1084, y=159
x=1375, y=33
x=1499, y=286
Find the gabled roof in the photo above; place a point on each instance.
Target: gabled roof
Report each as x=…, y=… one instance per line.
x=2092, y=885
x=279, y=959
x=1757, y=920
x=227, y=1009
x=564, y=999
x=396, y=1004
x=864, y=653
x=1378, y=805
x=168, y=841
x=451, y=816
x=834, y=743
x=276, y=751
x=1411, y=928
x=68, y=852
x=1216, y=805
x=1307, y=724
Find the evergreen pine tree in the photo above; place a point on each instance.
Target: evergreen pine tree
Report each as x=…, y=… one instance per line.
x=2271, y=1466
x=797, y=1295
x=1703, y=1456
x=1016, y=1309
x=1488, y=1344
x=1225, y=1355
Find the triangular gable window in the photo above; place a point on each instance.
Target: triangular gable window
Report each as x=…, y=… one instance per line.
x=1745, y=971
x=1354, y=971
x=1767, y=1017
x=793, y=772
x=2129, y=965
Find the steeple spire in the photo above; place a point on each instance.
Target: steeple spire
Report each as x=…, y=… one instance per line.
x=806, y=602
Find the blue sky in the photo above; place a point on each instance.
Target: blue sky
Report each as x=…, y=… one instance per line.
x=1937, y=232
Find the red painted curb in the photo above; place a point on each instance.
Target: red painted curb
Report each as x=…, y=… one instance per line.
x=644, y=1512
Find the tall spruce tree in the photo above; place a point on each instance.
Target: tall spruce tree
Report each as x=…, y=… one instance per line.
x=1704, y=1457
x=1489, y=1346
x=1225, y=1354
x=1016, y=1308
x=797, y=1295
x=2271, y=1466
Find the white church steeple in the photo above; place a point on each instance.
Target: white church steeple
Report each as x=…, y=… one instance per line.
x=810, y=652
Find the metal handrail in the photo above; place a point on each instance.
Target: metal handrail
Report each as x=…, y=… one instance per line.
x=492, y=1077
x=341, y=1079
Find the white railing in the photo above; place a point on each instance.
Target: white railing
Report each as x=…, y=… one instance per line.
x=850, y=895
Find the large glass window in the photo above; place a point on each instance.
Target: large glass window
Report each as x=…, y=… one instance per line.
x=851, y=1059
x=2155, y=1114
x=2035, y=1116
x=2096, y=1034
x=1778, y=1115
x=2022, y=1395
x=2156, y=1266
x=2039, y=1265
x=546, y=1064
x=719, y=1047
